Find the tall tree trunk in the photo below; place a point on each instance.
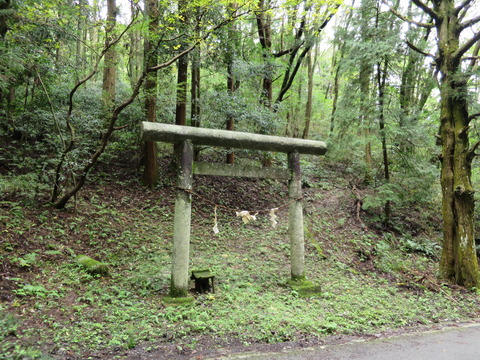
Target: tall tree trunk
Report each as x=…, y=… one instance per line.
x=381, y=81
x=182, y=79
x=93, y=34
x=110, y=66
x=365, y=75
x=195, y=113
x=308, y=106
x=365, y=120
x=335, y=88
x=134, y=50
x=182, y=74
x=150, y=173
x=81, y=28
x=4, y=6
x=459, y=261
x=265, y=37
x=195, y=93
x=232, y=83
x=231, y=88
x=336, y=62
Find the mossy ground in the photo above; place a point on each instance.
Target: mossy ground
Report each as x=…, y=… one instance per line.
x=304, y=287
x=370, y=280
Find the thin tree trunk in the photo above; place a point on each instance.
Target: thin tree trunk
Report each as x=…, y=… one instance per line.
x=134, y=50
x=110, y=66
x=308, y=107
x=337, y=59
x=365, y=121
x=381, y=80
x=335, y=89
x=150, y=174
x=232, y=83
x=4, y=5
x=195, y=91
x=182, y=79
x=365, y=74
x=81, y=37
x=195, y=118
x=182, y=75
x=265, y=37
x=230, y=119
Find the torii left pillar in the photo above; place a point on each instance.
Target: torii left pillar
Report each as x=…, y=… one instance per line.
x=295, y=218
x=182, y=220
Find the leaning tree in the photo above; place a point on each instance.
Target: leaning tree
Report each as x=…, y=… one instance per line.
x=455, y=60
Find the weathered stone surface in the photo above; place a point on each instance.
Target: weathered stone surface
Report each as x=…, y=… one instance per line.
x=175, y=134
x=181, y=222
x=202, y=168
x=295, y=218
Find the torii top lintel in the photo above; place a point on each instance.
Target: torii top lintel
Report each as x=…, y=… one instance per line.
x=229, y=139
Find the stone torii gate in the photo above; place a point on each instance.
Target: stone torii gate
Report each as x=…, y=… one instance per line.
x=186, y=137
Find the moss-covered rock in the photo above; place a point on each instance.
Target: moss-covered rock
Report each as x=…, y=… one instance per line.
x=93, y=266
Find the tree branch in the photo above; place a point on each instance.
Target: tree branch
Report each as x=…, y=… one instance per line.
x=58, y=28
x=55, y=120
x=473, y=116
x=288, y=51
x=466, y=46
x=471, y=152
x=195, y=44
x=82, y=177
x=473, y=63
x=289, y=77
x=404, y=18
x=415, y=48
x=469, y=23
x=473, y=59
x=71, y=143
x=426, y=9
x=462, y=6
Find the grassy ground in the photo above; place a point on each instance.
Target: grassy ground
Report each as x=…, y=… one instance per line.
x=371, y=280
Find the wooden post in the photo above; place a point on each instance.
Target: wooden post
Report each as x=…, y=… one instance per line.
x=295, y=218
x=182, y=218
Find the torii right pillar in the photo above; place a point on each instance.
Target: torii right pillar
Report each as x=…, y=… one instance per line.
x=295, y=218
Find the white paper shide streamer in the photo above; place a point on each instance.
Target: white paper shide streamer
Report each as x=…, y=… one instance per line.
x=215, y=224
x=273, y=217
x=246, y=216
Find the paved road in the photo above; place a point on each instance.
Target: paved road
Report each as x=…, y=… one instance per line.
x=452, y=343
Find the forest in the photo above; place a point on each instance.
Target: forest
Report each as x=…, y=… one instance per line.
x=87, y=204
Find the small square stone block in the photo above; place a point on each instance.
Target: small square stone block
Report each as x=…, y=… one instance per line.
x=203, y=280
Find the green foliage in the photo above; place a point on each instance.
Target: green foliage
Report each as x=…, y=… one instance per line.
x=8, y=324
x=353, y=266
x=27, y=185
x=26, y=261
x=249, y=115
x=386, y=192
x=423, y=246
x=26, y=290
x=249, y=263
